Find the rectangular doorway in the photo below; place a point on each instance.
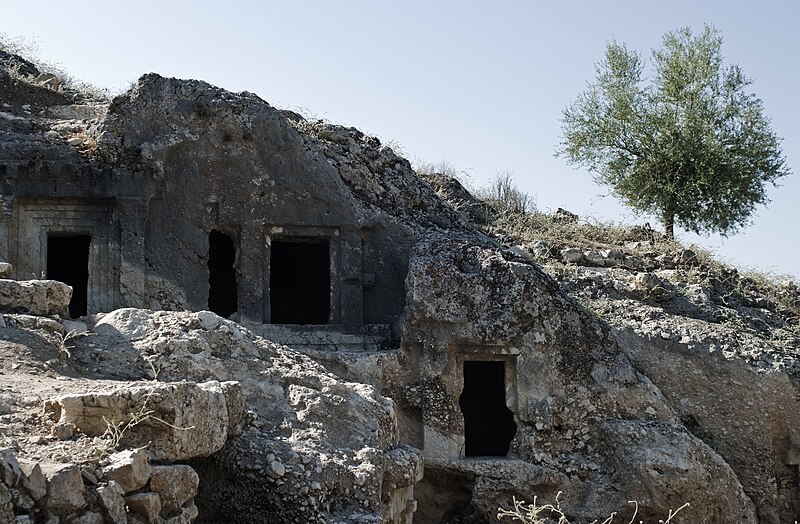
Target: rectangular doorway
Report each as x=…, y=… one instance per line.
x=300, y=280
x=223, y=295
x=489, y=425
x=68, y=262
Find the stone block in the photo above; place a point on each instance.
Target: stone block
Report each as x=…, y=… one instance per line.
x=176, y=421
x=176, y=485
x=33, y=479
x=130, y=469
x=10, y=472
x=65, y=492
x=111, y=498
x=146, y=505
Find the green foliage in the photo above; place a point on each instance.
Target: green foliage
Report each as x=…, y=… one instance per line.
x=687, y=144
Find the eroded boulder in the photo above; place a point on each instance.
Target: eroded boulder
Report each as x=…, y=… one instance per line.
x=175, y=421
x=37, y=297
x=129, y=323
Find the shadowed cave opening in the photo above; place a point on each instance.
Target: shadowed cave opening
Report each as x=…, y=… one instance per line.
x=444, y=496
x=223, y=298
x=68, y=262
x=300, y=281
x=489, y=425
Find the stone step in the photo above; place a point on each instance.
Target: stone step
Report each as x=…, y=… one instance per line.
x=371, y=337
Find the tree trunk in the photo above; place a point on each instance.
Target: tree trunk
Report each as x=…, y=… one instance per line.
x=668, y=220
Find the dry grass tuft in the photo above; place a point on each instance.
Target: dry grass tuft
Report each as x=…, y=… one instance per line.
x=552, y=513
x=48, y=76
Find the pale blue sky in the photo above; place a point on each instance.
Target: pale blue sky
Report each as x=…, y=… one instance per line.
x=478, y=84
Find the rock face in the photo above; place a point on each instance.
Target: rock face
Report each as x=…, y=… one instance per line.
x=309, y=447
x=582, y=410
x=324, y=329
x=723, y=355
x=749, y=417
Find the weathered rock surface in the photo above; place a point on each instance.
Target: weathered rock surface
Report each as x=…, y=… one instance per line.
x=65, y=492
x=749, y=418
x=111, y=498
x=311, y=445
x=129, y=469
x=721, y=353
x=37, y=297
x=569, y=403
x=176, y=485
x=175, y=421
x=123, y=491
x=129, y=323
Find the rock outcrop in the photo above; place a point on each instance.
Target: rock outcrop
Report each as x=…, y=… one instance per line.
x=721, y=347
x=303, y=446
x=439, y=375
x=589, y=423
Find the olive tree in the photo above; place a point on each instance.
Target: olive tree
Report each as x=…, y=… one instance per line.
x=683, y=141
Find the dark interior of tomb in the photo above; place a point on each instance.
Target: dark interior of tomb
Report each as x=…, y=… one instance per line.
x=444, y=497
x=68, y=262
x=300, y=281
x=222, y=293
x=489, y=425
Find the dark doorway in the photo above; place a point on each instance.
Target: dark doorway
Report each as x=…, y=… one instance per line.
x=488, y=423
x=68, y=262
x=223, y=298
x=300, y=281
